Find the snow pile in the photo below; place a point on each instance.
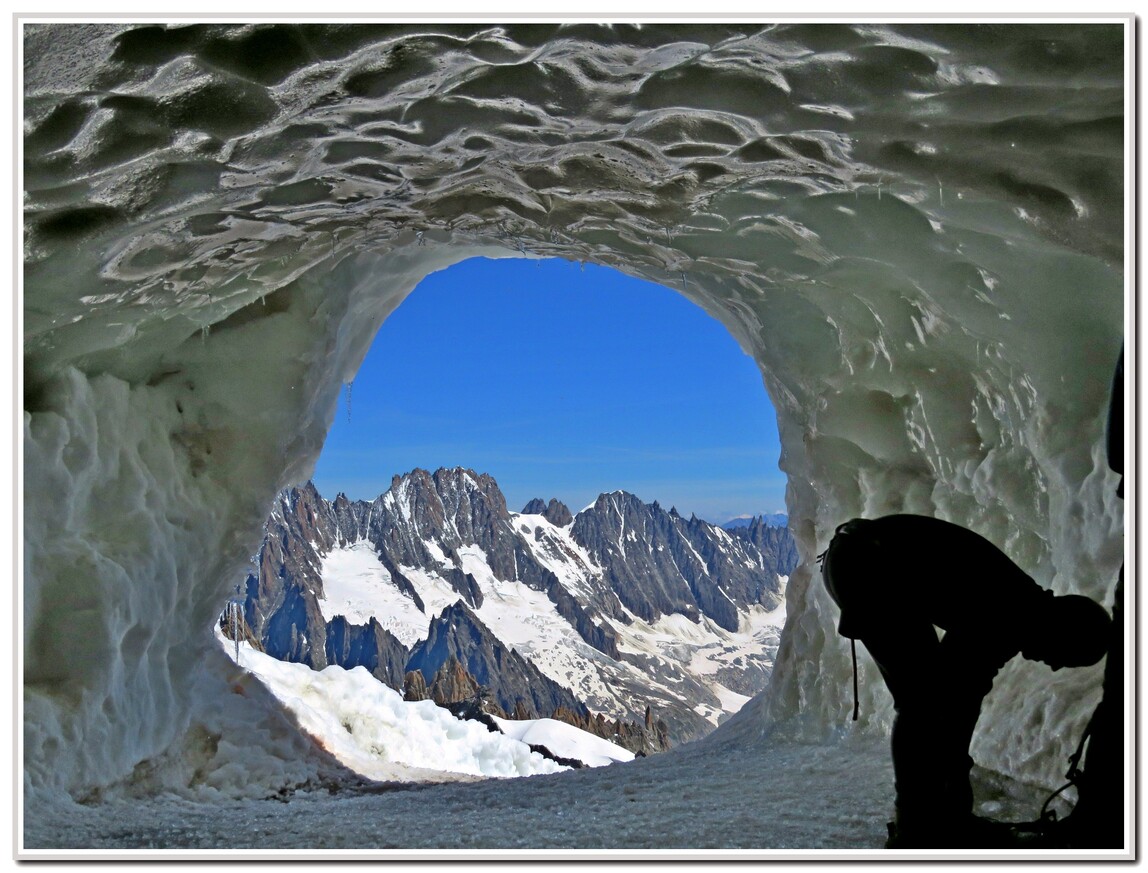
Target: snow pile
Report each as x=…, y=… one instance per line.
x=565, y=741
x=372, y=730
x=917, y=231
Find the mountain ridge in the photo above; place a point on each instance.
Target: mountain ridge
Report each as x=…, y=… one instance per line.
x=359, y=582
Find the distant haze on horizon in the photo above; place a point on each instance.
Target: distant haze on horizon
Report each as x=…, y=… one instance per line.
x=559, y=381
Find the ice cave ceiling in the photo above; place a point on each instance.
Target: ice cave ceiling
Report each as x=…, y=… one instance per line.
x=916, y=230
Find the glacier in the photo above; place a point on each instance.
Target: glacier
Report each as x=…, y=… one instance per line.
x=919, y=231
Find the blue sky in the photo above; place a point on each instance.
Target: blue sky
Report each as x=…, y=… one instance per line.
x=559, y=381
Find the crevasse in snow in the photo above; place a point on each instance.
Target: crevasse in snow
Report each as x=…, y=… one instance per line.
x=915, y=230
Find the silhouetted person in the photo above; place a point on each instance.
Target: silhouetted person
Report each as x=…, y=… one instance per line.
x=897, y=577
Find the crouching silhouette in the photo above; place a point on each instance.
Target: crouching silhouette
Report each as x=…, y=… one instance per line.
x=898, y=578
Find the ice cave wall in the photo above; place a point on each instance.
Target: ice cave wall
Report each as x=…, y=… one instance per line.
x=917, y=233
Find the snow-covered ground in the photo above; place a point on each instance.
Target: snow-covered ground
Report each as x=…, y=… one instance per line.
x=356, y=585
x=701, y=802
x=721, y=798
x=681, y=802
x=565, y=740
x=373, y=731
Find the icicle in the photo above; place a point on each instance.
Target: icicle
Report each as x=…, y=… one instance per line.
x=348, y=386
x=419, y=240
x=203, y=332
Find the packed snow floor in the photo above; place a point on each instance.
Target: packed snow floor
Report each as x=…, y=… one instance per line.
x=760, y=797
x=436, y=785
x=688, y=803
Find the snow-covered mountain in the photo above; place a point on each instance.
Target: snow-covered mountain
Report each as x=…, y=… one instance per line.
x=626, y=610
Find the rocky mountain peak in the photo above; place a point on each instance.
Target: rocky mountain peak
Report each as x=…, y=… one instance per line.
x=556, y=512
x=448, y=498
x=659, y=563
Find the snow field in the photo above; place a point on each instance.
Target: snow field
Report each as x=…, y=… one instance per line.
x=703, y=802
x=556, y=550
x=356, y=585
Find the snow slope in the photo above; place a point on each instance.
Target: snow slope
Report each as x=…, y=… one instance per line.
x=373, y=731
x=356, y=585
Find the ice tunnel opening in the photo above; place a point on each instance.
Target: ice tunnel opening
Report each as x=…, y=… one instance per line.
x=559, y=378
x=210, y=398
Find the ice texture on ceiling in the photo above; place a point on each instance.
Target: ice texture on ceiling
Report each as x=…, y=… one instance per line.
x=915, y=230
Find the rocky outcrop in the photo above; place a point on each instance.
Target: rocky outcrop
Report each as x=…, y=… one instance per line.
x=415, y=686
x=370, y=645
x=556, y=512
x=451, y=508
x=452, y=683
x=644, y=738
x=773, y=542
x=281, y=604
x=513, y=682
x=233, y=626
x=456, y=689
x=600, y=636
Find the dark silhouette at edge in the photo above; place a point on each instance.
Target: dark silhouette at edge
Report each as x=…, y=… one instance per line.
x=894, y=579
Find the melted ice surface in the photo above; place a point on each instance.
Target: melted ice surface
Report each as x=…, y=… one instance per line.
x=916, y=231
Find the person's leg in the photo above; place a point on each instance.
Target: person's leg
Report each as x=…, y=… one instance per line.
x=968, y=662
x=908, y=654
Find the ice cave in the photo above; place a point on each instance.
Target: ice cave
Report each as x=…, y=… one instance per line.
x=918, y=231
